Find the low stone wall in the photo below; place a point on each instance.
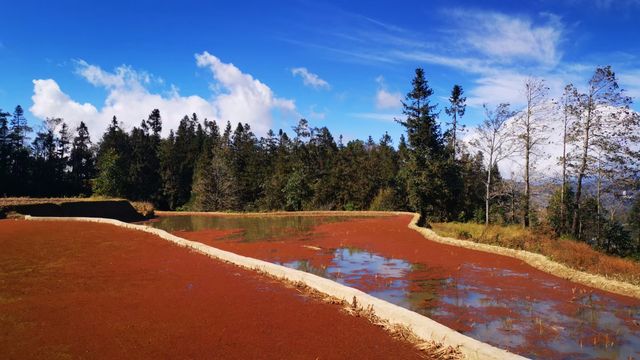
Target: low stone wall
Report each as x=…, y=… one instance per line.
x=537, y=261
x=423, y=327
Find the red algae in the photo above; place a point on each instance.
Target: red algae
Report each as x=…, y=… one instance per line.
x=493, y=298
x=77, y=289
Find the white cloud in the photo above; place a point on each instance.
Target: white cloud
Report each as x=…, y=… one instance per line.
x=494, y=89
x=242, y=98
x=310, y=79
x=508, y=38
x=386, y=99
x=50, y=101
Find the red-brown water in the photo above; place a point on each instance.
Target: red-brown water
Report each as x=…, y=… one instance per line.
x=492, y=298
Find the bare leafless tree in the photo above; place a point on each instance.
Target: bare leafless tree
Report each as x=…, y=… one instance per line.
x=568, y=110
x=604, y=127
x=495, y=141
x=530, y=128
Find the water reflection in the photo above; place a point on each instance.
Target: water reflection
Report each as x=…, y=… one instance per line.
x=248, y=229
x=586, y=328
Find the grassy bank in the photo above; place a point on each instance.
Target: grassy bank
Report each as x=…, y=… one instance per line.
x=577, y=255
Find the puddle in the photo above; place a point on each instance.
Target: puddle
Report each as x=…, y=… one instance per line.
x=532, y=314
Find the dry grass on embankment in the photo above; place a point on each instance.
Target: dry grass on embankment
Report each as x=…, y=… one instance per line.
x=574, y=254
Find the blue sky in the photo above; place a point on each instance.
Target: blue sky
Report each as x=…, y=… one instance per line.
x=340, y=64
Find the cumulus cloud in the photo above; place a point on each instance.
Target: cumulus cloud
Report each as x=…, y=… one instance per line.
x=386, y=99
x=241, y=99
x=50, y=101
x=244, y=98
x=310, y=79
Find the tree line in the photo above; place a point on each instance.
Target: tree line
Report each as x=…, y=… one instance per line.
x=209, y=166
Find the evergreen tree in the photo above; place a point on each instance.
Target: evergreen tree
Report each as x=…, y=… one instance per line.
x=322, y=157
x=109, y=180
x=5, y=153
x=19, y=129
x=81, y=161
x=427, y=189
x=274, y=189
x=472, y=172
x=47, y=174
x=456, y=109
x=20, y=164
x=113, y=162
x=168, y=171
x=245, y=164
x=144, y=171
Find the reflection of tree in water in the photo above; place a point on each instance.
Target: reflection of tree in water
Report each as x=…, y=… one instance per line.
x=250, y=228
x=424, y=290
x=305, y=265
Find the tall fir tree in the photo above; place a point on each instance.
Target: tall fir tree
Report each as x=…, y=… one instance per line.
x=82, y=161
x=427, y=189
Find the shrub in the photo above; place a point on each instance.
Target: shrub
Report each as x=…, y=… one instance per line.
x=464, y=234
x=385, y=200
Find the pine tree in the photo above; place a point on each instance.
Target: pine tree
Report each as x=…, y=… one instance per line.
x=426, y=187
x=82, y=161
x=281, y=168
x=5, y=153
x=19, y=129
x=113, y=162
x=144, y=171
x=20, y=164
x=456, y=110
x=472, y=174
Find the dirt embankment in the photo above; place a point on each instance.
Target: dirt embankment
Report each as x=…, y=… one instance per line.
x=114, y=209
x=98, y=291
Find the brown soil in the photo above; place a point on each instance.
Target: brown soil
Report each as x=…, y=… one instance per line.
x=86, y=290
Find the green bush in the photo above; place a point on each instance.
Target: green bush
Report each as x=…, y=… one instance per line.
x=385, y=200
